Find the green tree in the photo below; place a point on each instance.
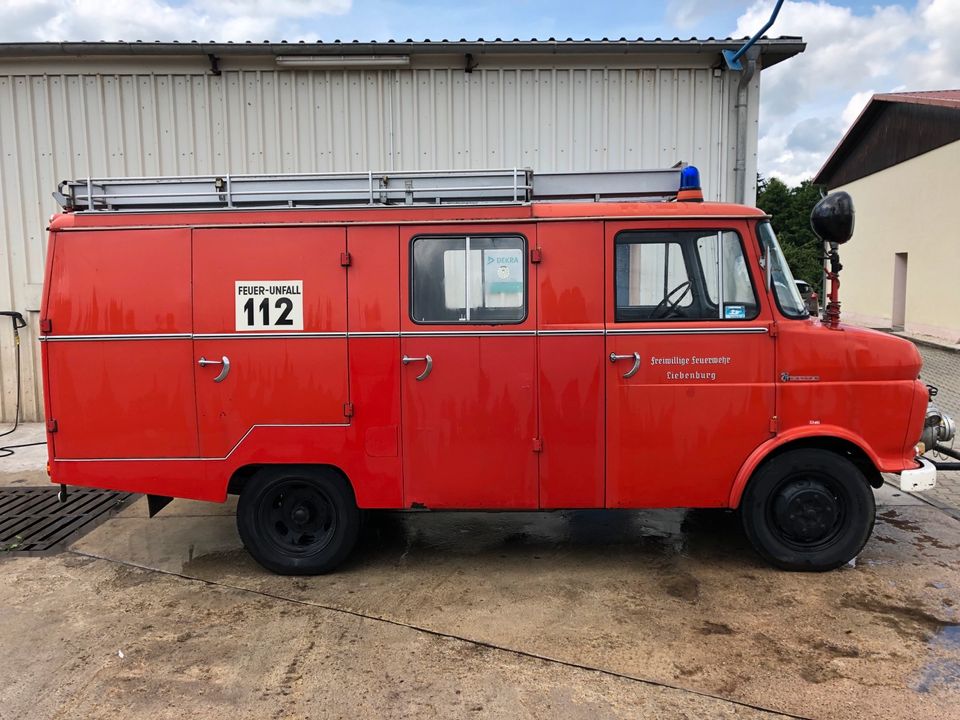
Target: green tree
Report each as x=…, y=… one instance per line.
x=789, y=209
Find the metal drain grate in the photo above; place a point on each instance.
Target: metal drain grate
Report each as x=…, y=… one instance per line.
x=33, y=520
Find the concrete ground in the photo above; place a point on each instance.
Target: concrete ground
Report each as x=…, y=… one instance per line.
x=576, y=614
x=26, y=466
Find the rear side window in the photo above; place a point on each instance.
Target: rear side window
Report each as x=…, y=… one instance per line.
x=470, y=279
x=682, y=275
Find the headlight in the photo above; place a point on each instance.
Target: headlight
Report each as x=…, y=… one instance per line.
x=937, y=427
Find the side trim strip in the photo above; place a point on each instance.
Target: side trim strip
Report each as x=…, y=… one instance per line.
x=205, y=459
x=551, y=333
x=754, y=330
x=260, y=335
x=131, y=336
x=406, y=333
x=467, y=333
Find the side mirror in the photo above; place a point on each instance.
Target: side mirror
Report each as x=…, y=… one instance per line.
x=832, y=218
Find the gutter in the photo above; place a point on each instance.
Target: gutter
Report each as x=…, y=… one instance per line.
x=775, y=50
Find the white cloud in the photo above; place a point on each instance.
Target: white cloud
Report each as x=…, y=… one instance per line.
x=809, y=101
x=682, y=13
x=284, y=8
x=938, y=63
x=855, y=106
x=843, y=49
x=685, y=15
x=60, y=20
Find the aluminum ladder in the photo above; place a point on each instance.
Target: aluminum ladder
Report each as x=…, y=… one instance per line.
x=514, y=186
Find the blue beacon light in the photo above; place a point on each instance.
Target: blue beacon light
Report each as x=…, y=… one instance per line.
x=690, y=178
x=690, y=185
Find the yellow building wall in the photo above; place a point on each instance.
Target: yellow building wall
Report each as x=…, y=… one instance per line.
x=913, y=208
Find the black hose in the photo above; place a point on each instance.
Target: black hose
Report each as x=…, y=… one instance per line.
x=18, y=322
x=8, y=450
x=943, y=450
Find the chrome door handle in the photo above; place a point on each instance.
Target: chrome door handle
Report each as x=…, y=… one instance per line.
x=203, y=362
x=636, y=362
x=426, y=371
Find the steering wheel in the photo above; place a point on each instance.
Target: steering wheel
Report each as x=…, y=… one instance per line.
x=669, y=305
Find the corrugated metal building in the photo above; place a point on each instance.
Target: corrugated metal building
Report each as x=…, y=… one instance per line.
x=69, y=110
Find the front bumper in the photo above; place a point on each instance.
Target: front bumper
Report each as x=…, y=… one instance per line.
x=921, y=478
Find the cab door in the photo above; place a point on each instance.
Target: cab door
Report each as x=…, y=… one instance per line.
x=690, y=363
x=270, y=330
x=468, y=367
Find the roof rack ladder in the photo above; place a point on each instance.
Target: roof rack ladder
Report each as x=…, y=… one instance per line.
x=510, y=186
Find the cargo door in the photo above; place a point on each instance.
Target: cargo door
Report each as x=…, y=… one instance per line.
x=119, y=351
x=690, y=363
x=468, y=376
x=571, y=363
x=270, y=321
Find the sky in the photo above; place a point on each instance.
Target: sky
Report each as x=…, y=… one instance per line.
x=854, y=48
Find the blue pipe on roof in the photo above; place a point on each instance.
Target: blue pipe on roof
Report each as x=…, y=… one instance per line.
x=733, y=58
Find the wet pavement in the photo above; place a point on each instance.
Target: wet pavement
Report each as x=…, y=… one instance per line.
x=567, y=614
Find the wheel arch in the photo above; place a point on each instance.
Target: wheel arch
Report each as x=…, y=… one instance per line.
x=835, y=440
x=245, y=473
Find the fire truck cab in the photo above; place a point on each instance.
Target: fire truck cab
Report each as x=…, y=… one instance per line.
x=495, y=340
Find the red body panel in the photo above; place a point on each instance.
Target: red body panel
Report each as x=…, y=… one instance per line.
x=123, y=399
x=867, y=387
x=121, y=282
x=520, y=415
x=468, y=429
x=571, y=364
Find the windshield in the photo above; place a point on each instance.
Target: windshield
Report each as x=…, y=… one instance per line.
x=779, y=276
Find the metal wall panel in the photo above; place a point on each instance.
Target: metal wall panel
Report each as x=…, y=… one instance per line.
x=162, y=117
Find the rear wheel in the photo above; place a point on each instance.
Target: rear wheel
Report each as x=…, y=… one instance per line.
x=298, y=521
x=808, y=510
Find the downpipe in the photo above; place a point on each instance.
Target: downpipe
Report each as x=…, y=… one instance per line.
x=732, y=61
x=743, y=94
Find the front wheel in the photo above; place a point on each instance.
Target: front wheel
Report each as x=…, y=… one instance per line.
x=808, y=510
x=298, y=521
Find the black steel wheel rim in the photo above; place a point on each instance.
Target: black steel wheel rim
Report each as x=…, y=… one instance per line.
x=808, y=511
x=298, y=517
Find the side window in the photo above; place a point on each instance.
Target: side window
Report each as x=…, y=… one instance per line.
x=724, y=266
x=682, y=275
x=648, y=273
x=469, y=279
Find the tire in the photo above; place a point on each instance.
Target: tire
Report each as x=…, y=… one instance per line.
x=810, y=510
x=298, y=520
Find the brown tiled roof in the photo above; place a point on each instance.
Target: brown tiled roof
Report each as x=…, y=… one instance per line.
x=892, y=128
x=944, y=98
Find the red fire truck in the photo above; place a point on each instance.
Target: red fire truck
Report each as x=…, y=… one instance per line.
x=496, y=340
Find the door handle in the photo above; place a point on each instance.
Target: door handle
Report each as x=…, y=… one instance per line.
x=426, y=371
x=636, y=362
x=203, y=362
